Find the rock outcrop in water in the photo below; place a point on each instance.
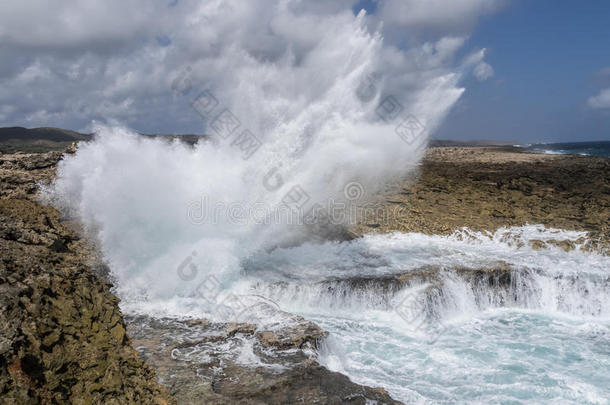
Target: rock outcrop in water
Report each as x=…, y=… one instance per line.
x=206, y=362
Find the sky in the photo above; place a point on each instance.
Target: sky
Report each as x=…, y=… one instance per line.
x=531, y=70
x=551, y=81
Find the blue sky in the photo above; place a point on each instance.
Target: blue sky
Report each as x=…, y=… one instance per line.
x=548, y=57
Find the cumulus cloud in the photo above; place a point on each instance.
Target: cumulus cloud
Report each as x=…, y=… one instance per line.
x=602, y=100
x=438, y=15
x=483, y=71
x=116, y=60
x=80, y=23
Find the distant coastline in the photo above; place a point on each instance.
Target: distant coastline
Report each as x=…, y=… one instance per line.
x=36, y=140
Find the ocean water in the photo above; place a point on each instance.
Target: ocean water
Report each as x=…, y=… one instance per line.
x=601, y=148
x=542, y=336
x=545, y=338
x=498, y=356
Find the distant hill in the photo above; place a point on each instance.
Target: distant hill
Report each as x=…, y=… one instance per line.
x=19, y=139
x=32, y=140
x=40, y=134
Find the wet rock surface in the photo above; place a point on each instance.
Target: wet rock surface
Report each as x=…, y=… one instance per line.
x=62, y=335
x=430, y=292
x=240, y=363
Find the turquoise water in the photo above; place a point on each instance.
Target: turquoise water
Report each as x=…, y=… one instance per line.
x=543, y=339
x=502, y=356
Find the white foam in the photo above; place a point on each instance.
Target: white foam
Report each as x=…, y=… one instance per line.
x=549, y=279
x=136, y=195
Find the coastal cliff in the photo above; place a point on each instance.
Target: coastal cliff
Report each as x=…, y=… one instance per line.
x=62, y=335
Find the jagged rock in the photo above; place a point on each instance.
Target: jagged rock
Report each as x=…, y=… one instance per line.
x=62, y=336
x=299, y=334
x=494, y=275
x=209, y=366
x=234, y=328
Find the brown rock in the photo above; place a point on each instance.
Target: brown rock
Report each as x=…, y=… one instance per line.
x=51, y=350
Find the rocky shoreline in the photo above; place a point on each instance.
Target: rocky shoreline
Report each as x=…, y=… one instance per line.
x=239, y=363
x=487, y=188
x=64, y=339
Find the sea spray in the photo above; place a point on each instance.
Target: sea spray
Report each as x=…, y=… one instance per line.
x=290, y=132
x=471, y=317
x=472, y=271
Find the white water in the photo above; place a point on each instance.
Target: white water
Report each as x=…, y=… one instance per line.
x=148, y=202
x=544, y=338
x=498, y=356
x=151, y=204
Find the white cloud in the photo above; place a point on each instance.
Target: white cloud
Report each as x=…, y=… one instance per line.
x=80, y=61
x=605, y=72
x=475, y=57
x=441, y=15
x=602, y=100
x=483, y=71
x=80, y=23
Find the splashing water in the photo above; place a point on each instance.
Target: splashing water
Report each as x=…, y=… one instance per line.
x=317, y=134
x=535, y=329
